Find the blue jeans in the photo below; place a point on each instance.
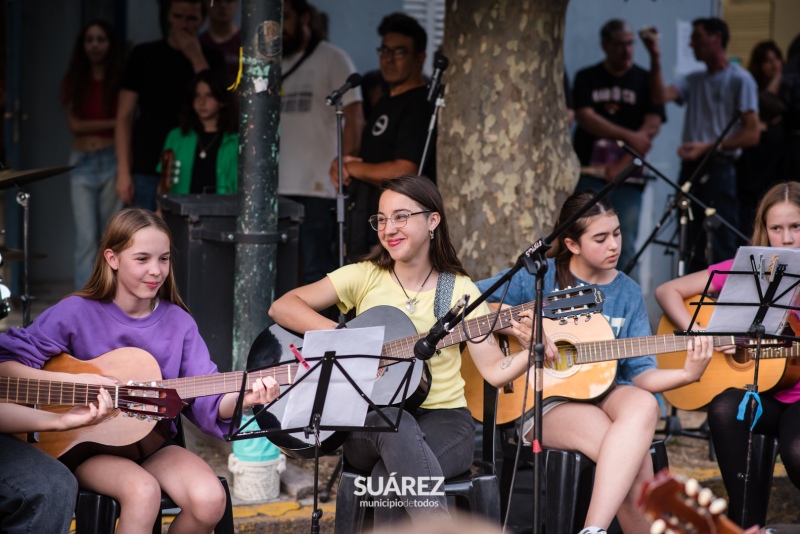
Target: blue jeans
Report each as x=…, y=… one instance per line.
x=145, y=187
x=318, y=239
x=716, y=187
x=94, y=203
x=627, y=201
x=432, y=443
x=37, y=492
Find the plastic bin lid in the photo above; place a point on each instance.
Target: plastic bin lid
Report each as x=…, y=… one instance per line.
x=213, y=205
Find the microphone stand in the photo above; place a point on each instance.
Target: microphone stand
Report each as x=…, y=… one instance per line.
x=533, y=259
x=439, y=103
x=680, y=202
x=340, y=213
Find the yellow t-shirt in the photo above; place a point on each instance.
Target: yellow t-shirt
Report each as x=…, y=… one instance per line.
x=363, y=286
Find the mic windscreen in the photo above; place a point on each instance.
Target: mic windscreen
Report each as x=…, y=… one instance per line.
x=440, y=61
x=354, y=80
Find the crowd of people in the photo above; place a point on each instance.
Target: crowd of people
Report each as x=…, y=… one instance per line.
x=164, y=120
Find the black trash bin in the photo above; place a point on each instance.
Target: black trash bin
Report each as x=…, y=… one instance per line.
x=203, y=228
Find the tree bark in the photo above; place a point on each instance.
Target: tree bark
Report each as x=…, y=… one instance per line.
x=505, y=160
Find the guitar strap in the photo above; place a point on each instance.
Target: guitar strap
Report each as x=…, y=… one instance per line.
x=444, y=294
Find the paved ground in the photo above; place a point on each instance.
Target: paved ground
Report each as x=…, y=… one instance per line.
x=291, y=511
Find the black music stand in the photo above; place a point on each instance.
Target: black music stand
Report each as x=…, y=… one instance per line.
x=325, y=365
x=772, y=294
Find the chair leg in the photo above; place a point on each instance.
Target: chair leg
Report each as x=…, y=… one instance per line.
x=95, y=513
x=225, y=525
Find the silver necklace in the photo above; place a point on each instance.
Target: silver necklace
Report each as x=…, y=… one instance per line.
x=411, y=303
x=203, y=148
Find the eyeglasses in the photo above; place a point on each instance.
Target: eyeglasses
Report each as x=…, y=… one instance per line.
x=398, y=53
x=378, y=222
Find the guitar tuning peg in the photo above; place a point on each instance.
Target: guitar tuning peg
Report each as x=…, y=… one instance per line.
x=577, y=318
x=717, y=506
x=705, y=497
x=692, y=487
x=659, y=526
x=562, y=321
x=589, y=316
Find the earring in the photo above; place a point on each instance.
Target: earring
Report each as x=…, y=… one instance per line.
x=431, y=235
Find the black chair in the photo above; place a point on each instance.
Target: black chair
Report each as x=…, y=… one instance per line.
x=476, y=490
x=568, y=478
x=98, y=514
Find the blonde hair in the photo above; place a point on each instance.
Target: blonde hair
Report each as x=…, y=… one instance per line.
x=102, y=284
x=778, y=193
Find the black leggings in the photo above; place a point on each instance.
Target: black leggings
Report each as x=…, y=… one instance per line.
x=730, y=444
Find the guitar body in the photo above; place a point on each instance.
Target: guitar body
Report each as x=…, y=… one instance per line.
x=725, y=370
x=397, y=326
x=562, y=379
x=119, y=435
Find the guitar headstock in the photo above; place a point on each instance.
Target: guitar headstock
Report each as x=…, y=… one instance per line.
x=149, y=402
x=573, y=302
x=678, y=505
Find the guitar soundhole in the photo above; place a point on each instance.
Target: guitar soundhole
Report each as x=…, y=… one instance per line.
x=567, y=355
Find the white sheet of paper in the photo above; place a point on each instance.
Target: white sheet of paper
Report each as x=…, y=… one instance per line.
x=343, y=404
x=741, y=288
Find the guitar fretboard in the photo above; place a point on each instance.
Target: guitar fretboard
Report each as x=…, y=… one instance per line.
x=32, y=391
x=615, y=349
x=201, y=386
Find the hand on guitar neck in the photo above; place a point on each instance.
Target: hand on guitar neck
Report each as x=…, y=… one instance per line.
x=523, y=331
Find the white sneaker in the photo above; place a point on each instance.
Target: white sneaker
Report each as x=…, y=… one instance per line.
x=593, y=530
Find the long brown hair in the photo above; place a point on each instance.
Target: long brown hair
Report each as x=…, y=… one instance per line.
x=559, y=250
x=102, y=284
x=757, y=58
x=782, y=192
x=421, y=190
x=79, y=73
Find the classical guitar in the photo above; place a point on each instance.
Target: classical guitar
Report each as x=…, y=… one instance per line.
x=399, y=340
x=778, y=367
x=681, y=506
x=571, y=377
x=169, y=172
x=134, y=438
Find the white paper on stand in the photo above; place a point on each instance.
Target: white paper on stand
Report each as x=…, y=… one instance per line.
x=343, y=404
x=742, y=289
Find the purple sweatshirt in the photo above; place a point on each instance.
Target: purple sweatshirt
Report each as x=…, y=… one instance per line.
x=86, y=329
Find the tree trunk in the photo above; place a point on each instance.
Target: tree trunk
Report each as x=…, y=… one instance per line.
x=505, y=160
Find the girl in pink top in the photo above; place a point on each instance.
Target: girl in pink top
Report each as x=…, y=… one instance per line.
x=777, y=224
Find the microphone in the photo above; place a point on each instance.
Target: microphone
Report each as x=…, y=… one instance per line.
x=353, y=81
x=440, y=63
x=425, y=348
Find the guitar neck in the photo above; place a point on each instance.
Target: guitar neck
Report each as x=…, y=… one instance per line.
x=617, y=349
x=33, y=391
x=470, y=329
x=201, y=386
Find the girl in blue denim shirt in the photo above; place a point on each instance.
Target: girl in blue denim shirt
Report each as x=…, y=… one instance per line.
x=615, y=431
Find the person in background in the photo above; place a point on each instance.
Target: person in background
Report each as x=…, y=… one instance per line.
x=394, y=137
x=205, y=144
x=760, y=166
x=91, y=89
x=312, y=69
x=153, y=87
x=790, y=94
x=223, y=35
x=37, y=492
x=713, y=97
x=613, y=102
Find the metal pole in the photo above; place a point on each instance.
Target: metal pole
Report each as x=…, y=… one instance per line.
x=259, y=145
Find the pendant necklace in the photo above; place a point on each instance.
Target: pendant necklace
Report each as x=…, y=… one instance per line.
x=203, y=148
x=411, y=303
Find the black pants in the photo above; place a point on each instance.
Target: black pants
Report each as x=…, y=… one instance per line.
x=730, y=444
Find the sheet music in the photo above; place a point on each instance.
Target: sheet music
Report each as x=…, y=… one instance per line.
x=343, y=404
x=742, y=289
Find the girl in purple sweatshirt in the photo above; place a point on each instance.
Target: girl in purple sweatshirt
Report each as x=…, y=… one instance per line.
x=131, y=300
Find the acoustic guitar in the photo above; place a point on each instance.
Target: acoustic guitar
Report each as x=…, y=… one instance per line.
x=135, y=438
x=585, y=368
x=399, y=340
x=778, y=367
x=681, y=506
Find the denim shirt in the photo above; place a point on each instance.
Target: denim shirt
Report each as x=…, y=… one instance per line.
x=623, y=308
